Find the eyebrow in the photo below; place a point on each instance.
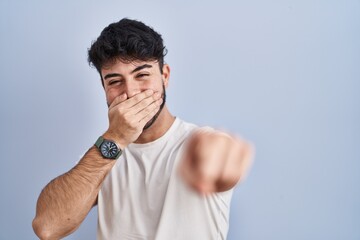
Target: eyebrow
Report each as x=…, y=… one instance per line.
x=110, y=75
x=141, y=67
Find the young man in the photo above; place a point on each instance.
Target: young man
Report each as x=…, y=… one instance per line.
x=152, y=175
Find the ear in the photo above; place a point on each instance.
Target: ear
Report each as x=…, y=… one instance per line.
x=166, y=75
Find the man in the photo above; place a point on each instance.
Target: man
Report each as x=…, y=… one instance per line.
x=152, y=175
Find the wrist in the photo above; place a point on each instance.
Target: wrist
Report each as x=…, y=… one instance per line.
x=113, y=137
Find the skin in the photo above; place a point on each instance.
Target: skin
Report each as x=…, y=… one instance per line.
x=123, y=84
x=213, y=161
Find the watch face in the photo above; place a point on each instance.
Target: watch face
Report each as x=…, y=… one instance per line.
x=109, y=149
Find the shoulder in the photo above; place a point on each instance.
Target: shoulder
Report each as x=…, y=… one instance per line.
x=186, y=126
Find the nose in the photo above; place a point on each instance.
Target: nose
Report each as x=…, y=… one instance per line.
x=131, y=89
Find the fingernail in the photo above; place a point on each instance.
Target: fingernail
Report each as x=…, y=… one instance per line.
x=124, y=96
x=149, y=91
x=157, y=95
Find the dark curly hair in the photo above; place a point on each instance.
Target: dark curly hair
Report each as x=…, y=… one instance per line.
x=127, y=40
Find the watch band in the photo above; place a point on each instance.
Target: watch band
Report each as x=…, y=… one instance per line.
x=99, y=141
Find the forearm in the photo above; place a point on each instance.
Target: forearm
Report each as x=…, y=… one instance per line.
x=64, y=203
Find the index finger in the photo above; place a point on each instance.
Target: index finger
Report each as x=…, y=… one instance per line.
x=133, y=100
x=117, y=100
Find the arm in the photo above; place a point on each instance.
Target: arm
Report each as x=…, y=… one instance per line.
x=64, y=203
x=215, y=161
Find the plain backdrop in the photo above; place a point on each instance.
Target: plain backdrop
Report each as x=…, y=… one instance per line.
x=283, y=74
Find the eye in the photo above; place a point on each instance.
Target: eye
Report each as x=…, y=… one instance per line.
x=113, y=82
x=142, y=75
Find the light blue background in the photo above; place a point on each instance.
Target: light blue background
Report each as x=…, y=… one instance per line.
x=284, y=74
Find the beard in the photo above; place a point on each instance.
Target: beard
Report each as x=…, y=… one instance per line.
x=153, y=119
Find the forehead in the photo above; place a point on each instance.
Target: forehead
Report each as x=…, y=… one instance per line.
x=126, y=67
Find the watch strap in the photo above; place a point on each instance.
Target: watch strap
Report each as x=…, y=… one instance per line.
x=99, y=141
x=119, y=154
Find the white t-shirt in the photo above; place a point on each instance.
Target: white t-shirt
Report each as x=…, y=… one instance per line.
x=144, y=197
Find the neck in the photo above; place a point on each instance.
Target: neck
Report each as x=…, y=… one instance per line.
x=159, y=127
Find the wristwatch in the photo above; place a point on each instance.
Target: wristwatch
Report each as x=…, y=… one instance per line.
x=108, y=149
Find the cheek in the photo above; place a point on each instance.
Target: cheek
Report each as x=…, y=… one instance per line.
x=146, y=85
x=157, y=86
x=111, y=94
x=154, y=85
